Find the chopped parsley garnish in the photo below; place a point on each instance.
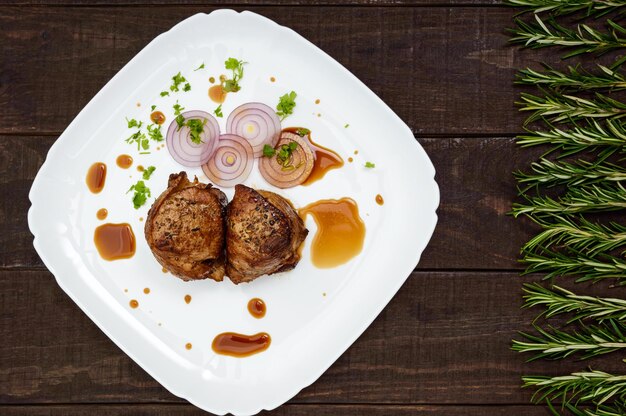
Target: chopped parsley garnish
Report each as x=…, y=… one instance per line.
x=148, y=172
x=196, y=128
x=164, y=93
x=346, y=126
x=199, y=68
x=268, y=151
x=152, y=107
x=155, y=133
x=133, y=123
x=139, y=138
x=218, y=111
x=235, y=65
x=285, y=105
x=180, y=120
x=370, y=165
x=303, y=132
x=176, y=81
x=142, y=192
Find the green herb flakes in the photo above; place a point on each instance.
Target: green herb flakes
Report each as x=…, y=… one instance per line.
x=268, y=151
x=236, y=66
x=141, y=195
x=177, y=80
x=370, y=165
x=148, y=172
x=133, y=123
x=218, y=111
x=196, y=128
x=286, y=104
x=140, y=139
x=199, y=68
x=155, y=133
x=164, y=93
x=303, y=132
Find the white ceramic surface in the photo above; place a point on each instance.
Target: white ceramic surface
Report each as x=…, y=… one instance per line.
x=313, y=315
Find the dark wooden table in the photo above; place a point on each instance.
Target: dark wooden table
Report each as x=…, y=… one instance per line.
x=442, y=346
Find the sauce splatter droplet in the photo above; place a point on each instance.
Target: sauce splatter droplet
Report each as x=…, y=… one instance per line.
x=317, y=101
x=356, y=152
x=350, y=160
x=212, y=80
x=124, y=161
x=272, y=79
x=164, y=270
x=96, y=177
x=217, y=94
x=115, y=241
x=240, y=345
x=187, y=299
x=146, y=290
x=140, y=168
x=157, y=117
x=257, y=308
x=379, y=199
x=188, y=345
x=133, y=304
x=102, y=214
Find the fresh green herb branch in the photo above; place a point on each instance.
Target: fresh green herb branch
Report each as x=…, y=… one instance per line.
x=584, y=39
x=574, y=79
x=561, y=7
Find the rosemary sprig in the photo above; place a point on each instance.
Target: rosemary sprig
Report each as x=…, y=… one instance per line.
x=593, y=198
x=575, y=79
x=558, y=301
x=561, y=7
x=549, y=173
x=610, y=134
x=586, y=268
x=559, y=108
x=584, y=39
x=590, y=341
x=581, y=235
x=602, y=410
x=595, y=386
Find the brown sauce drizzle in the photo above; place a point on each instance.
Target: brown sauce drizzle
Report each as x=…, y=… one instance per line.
x=115, y=241
x=325, y=159
x=157, y=117
x=257, y=308
x=124, y=161
x=217, y=94
x=379, y=199
x=96, y=177
x=133, y=303
x=187, y=299
x=340, y=231
x=239, y=345
x=102, y=214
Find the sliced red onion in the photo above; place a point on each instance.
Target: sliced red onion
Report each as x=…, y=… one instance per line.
x=301, y=163
x=255, y=122
x=179, y=143
x=231, y=162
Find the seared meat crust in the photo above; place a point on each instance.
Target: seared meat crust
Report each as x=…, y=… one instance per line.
x=185, y=229
x=263, y=234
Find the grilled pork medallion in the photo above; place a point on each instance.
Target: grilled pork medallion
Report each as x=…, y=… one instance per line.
x=263, y=234
x=185, y=229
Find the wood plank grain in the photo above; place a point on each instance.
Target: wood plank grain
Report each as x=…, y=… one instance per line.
x=474, y=177
x=287, y=410
x=444, y=70
x=232, y=3
x=443, y=339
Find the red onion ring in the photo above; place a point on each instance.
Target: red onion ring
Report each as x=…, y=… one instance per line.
x=302, y=158
x=179, y=143
x=255, y=122
x=231, y=162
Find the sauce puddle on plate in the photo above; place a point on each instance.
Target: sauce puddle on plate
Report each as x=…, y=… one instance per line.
x=157, y=117
x=96, y=177
x=102, y=214
x=340, y=231
x=240, y=345
x=257, y=308
x=217, y=94
x=379, y=199
x=115, y=241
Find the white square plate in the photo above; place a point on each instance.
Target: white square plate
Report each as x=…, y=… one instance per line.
x=313, y=314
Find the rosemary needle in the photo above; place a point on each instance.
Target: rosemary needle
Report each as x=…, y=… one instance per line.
x=561, y=7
